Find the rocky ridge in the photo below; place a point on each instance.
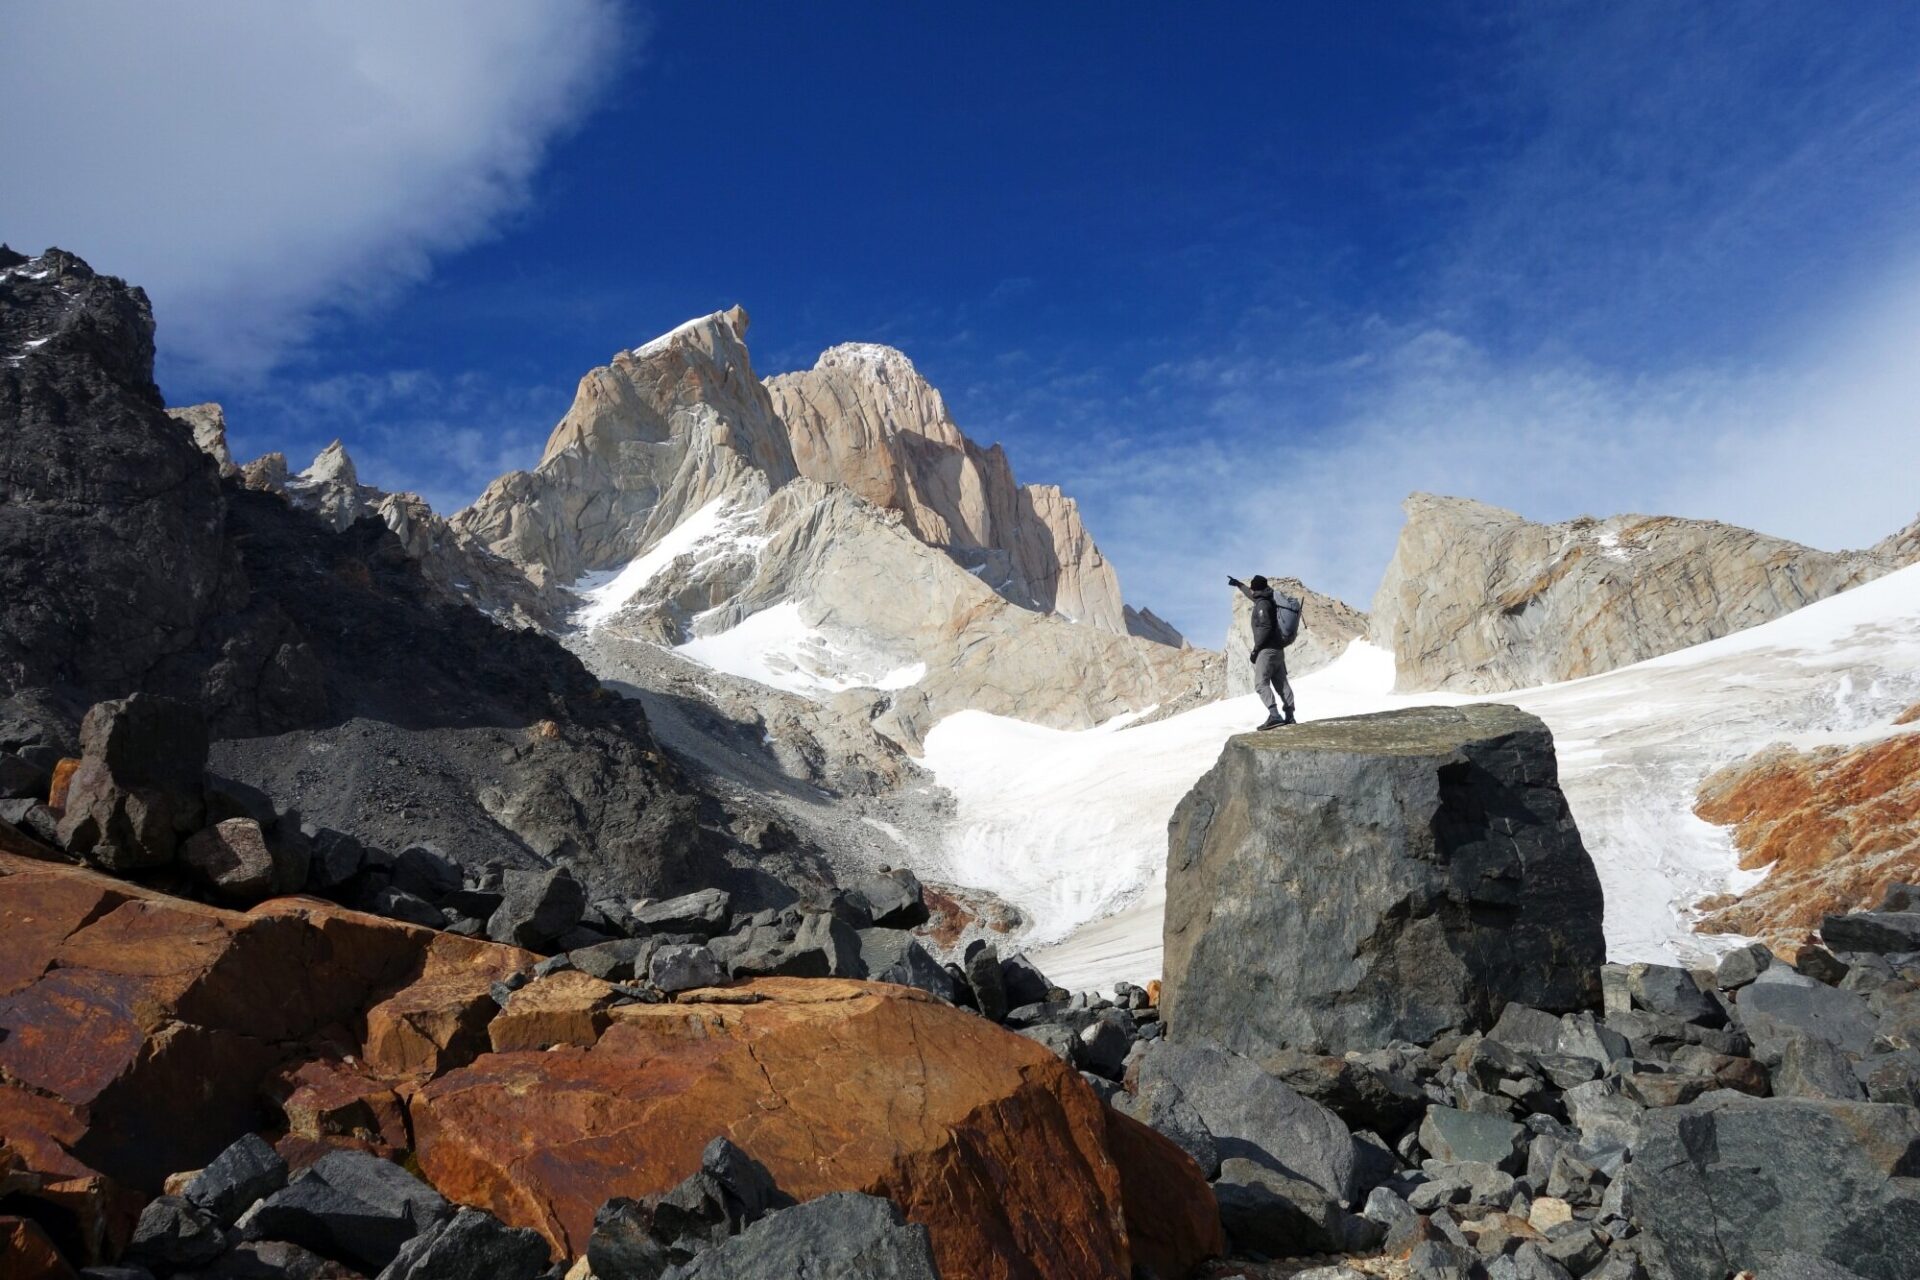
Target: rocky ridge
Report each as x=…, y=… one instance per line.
x=1481, y=600
x=863, y=417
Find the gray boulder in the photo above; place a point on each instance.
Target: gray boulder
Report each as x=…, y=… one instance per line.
x=642, y=1239
x=705, y=912
x=893, y=900
x=1454, y=1136
x=350, y=1206
x=536, y=907
x=1811, y=1068
x=470, y=1245
x=890, y=955
x=173, y=1234
x=1781, y=1003
x=1725, y=1181
x=984, y=979
x=1266, y=1211
x=248, y=1171
x=683, y=966
x=396, y=903
x=840, y=1236
x=1873, y=931
x=1106, y=1040
x=1253, y=1116
x=617, y=960
x=425, y=873
x=1667, y=989
x=1738, y=968
x=1023, y=982
x=232, y=859
x=823, y=946
x=1361, y=880
x=1159, y=1104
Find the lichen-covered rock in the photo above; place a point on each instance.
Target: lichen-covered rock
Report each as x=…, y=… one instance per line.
x=1346, y=883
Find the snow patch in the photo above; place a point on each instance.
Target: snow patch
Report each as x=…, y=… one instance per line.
x=1071, y=826
x=776, y=647
x=715, y=529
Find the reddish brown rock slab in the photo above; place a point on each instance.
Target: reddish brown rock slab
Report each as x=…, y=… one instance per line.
x=1173, y=1219
x=1835, y=826
x=326, y=1098
x=438, y=1019
x=62, y=779
x=565, y=1008
x=27, y=1254
x=983, y=1136
x=89, y=1217
x=154, y=1020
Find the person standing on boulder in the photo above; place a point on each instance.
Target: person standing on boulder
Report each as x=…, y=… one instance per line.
x=1275, y=623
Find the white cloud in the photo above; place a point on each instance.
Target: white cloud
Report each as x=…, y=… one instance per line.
x=252, y=165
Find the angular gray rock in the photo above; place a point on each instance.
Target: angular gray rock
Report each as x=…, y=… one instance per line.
x=1721, y=1183
x=139, y=784
x=893, y=900
x=984, y=977
x=890, y=955
x=1159, y=1104
x=1253, y=1116
x=350, y=1206
x=1396, y=876
x=1780, y=1003
x=684, y=967
x=839, y=1236
x=705, y=912
x=536, y=907
x=174, y=1233
x=467, y=1246
x=1454, y=1136
x=1269, y=1212
x=1813, y=1068
x=1671, y=990
x=247, y=1171
x=232, y=859
x=1874, y=931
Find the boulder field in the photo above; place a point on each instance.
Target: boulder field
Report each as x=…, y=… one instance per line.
x=142, y=1036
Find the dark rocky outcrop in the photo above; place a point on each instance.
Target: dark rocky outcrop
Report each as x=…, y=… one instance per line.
x=1395, y=876
x=1723, y=1182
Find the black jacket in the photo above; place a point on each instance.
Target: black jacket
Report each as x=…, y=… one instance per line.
x=1266, y=628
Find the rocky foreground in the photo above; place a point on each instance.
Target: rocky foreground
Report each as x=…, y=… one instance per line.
x=1387, y=1045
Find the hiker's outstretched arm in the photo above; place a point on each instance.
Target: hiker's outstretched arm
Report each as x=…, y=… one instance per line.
x=1244, y=589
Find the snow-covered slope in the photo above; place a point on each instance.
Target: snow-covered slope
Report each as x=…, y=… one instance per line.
x=1071, y=826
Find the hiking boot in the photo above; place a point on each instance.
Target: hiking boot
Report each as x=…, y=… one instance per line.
x=1289, y=717
x=1273, y=721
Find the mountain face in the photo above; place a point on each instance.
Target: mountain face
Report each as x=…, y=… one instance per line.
x=863, y=417
x=827, y=532
x=1327, y=626
x=334, y=674
x=652, y=438
x=1481, y=600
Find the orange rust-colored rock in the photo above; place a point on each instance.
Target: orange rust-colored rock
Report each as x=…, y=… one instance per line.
x=327, y=1099
x=1836, y=826
x=139, y=1027
x=1172, y=1218
x=1153, y=992
x=89, y=1218
x=27, y=1254
x=565, y=1008
x=62, y=778
x=989, y=1140
x=1910, y=716
x=438, y=1021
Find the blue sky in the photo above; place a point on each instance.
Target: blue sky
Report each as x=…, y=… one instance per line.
x=1238, y=277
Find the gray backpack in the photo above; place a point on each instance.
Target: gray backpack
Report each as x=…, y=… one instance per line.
x=1286, y=618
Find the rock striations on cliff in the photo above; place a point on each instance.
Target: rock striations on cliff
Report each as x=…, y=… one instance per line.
x=865, y=418
x=1481, y=600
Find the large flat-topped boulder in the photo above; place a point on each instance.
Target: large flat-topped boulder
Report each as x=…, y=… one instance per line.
x=986, y=1138
x=1343, y=883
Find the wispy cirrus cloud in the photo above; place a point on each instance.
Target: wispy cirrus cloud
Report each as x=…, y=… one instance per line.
x=255, y=166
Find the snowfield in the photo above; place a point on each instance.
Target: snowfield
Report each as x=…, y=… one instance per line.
x=776, y=647
x=1071, y=826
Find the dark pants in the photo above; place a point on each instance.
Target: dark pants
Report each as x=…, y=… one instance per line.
x=1270, y=673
